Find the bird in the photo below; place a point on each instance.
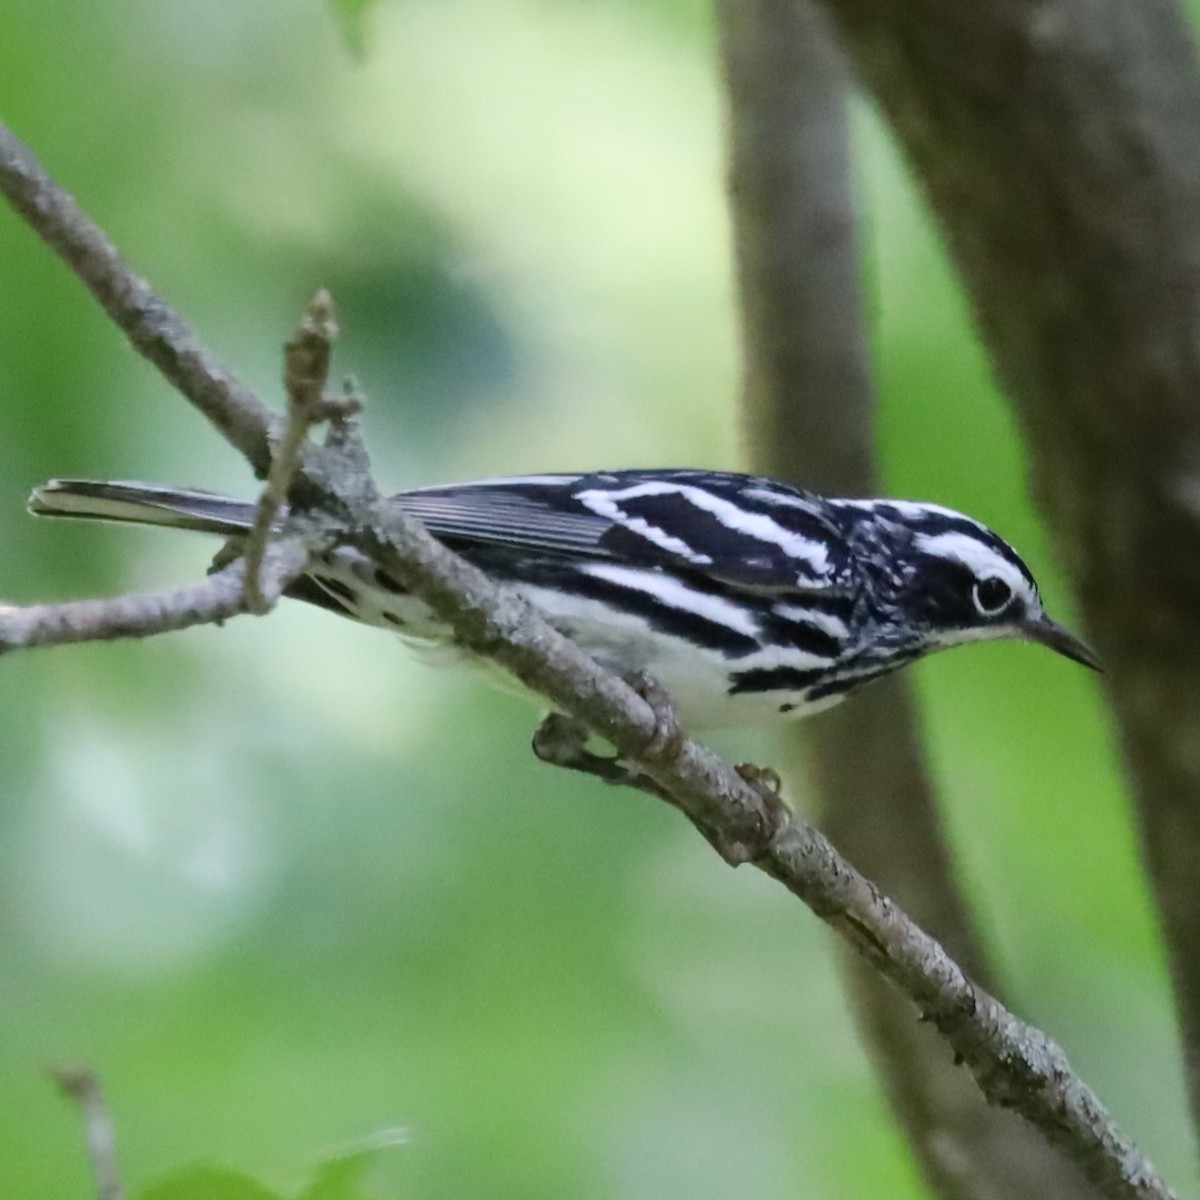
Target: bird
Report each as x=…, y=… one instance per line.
x=747, y=600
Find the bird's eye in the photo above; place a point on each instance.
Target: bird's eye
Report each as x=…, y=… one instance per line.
x=991, y=596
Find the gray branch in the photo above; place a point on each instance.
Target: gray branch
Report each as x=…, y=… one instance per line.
x=99, y=1131
x=1015, y=1065
x=306, y=372
x=809, y=407
x=218, y=598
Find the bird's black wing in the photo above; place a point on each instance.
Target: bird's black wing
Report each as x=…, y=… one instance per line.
x=736, y=529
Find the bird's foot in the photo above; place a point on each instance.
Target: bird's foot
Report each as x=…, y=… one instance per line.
x=766, y=783
x=668, y=737
x=562, y=741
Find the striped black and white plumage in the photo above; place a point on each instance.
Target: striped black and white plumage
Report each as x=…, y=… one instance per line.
x=745, y=598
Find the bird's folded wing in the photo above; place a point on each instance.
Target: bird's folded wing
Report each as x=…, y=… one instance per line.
x=650, y=520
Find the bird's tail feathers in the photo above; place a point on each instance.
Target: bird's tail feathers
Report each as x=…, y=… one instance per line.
x=141, y=504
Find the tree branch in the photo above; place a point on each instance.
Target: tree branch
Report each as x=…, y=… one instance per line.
x=305, y=374
x=82, y=1086
x=809, y=407
x=1014, y=1064
x=218, y=598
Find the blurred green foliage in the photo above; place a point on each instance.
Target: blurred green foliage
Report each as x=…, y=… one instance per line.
x=282, y=886
x=354, y=17
x=337, y=1178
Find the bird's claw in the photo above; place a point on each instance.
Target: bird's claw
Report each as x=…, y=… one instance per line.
x=667, y=738
x=561, y=741
x=769, y=787
x=764, y=780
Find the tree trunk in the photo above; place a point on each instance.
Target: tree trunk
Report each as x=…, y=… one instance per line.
x=809, y=406
x=1059, y=146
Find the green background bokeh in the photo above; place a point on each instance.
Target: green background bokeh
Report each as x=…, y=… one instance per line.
x=282, y=885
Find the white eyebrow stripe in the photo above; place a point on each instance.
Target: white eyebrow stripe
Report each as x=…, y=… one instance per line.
x=677, y=595
x=980, y=559
x=754, y=525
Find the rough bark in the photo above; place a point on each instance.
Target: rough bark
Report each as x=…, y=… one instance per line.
x=809, y=413
x=1059, y=146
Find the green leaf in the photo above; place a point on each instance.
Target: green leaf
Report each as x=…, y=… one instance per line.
x=353, y=17
x=340, y=1178
x=207, y=1183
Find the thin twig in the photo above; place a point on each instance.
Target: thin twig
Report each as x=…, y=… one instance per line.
x=1015, y=1064
x=306, y=373
x=82, y=1086
x=219, y=597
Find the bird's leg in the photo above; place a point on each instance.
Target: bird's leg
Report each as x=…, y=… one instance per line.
x=561, y=741
x=666, y=742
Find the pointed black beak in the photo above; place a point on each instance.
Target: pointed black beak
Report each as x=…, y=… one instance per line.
x=1062, y=641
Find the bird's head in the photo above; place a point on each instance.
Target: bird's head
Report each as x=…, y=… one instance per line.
x=952, y=580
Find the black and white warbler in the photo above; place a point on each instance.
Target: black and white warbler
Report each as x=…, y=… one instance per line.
x=746, y=599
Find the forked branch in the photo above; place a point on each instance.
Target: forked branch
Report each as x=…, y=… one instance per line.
x=1014, y=1064
x=306, y=361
